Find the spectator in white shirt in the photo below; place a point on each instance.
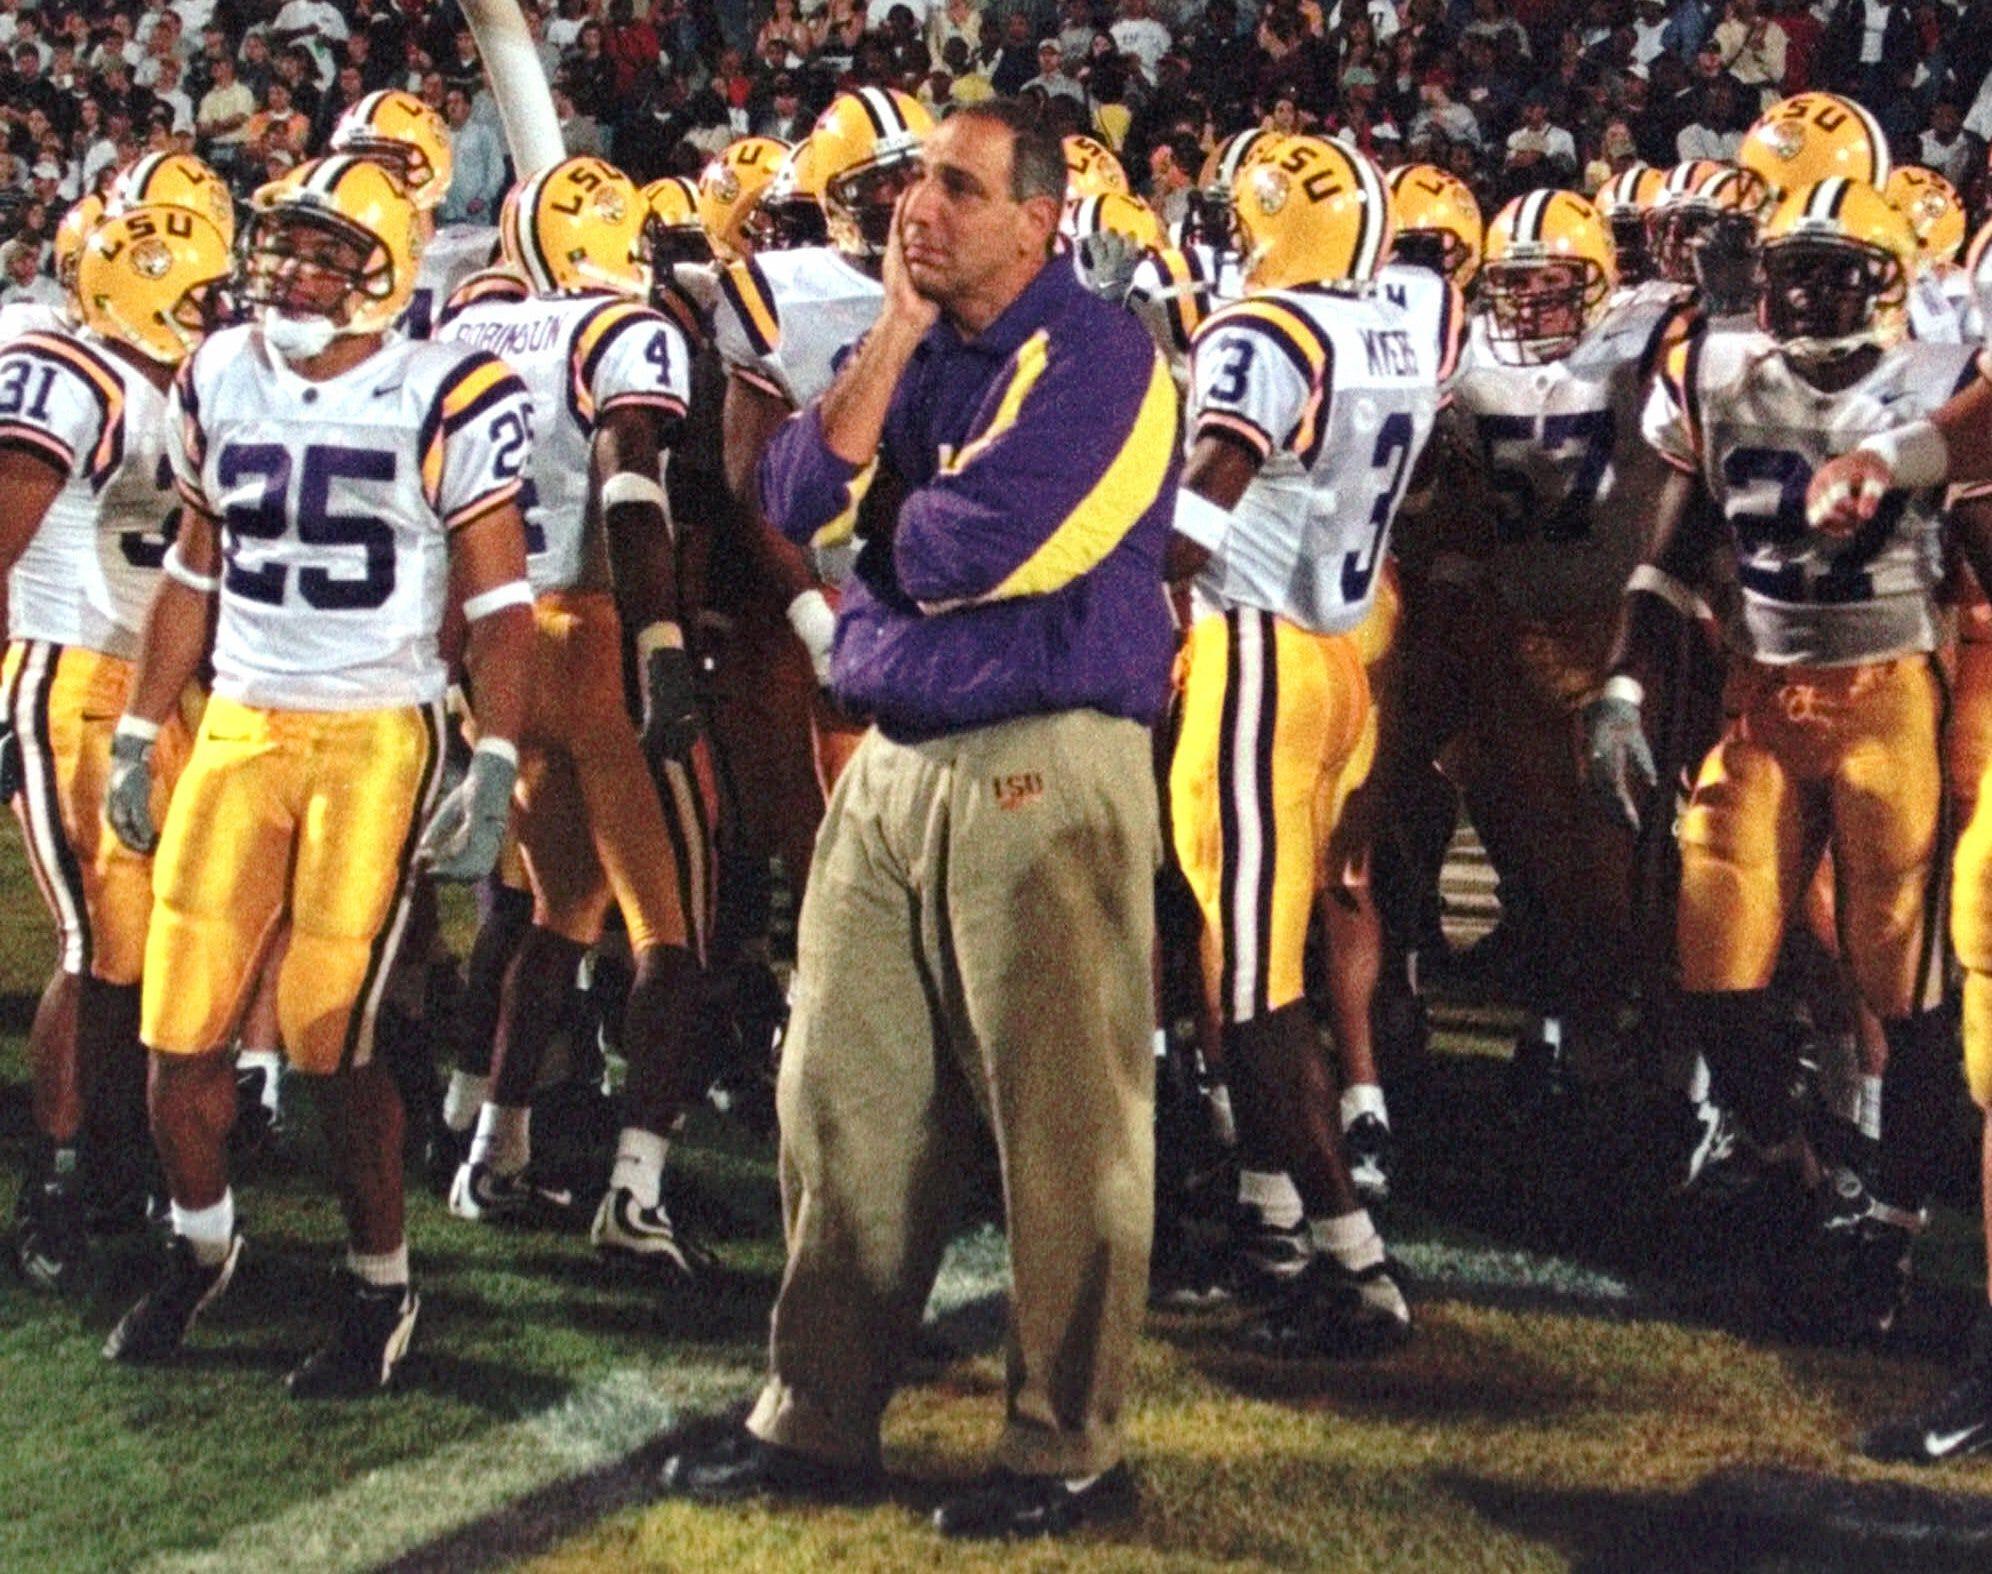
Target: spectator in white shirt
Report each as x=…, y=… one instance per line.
x=225, y=107
x=1139, y=34
x=1649, y=27
x=21, y=278
x=477, y=176
x=316, y=25
x=1542, y=152
x=1947, y=147
x=1753, y=49
x=1714, y=133
x=166, y=91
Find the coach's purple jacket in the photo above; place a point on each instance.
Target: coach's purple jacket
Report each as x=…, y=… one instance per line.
x=1024, y=572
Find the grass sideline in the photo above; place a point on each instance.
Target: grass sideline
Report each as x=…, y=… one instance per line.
x=1561, y=1407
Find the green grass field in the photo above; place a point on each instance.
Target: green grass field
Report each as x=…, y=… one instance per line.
x=1562, y=1407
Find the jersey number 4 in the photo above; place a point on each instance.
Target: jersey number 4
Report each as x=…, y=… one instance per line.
x=281, y=508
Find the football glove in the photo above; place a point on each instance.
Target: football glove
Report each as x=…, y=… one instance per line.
x=815, y=623
x=1107, y=260
x=466, y=833
x=10, y=761
x=128, y=797
x=670, y=703
x=1615, y=753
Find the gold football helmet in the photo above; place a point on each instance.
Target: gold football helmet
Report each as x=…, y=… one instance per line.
x=1208, y=219
x=151, y=278
x=297, y=227
x=1838, y=258
x=1438, y=221
x=1116, y=211
x=729, y=187
x=1316, y=212
x=676, y=235
x=70, y=234
x=790, y=212
x=179, y=179
x=1091, y=170
x=1549, y=269
x=1812, y=136
x=398, y=130
x=864, y=149
x=1934, y=211
x=579, y=225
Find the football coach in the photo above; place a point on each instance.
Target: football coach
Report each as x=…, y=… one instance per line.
x=975, y=938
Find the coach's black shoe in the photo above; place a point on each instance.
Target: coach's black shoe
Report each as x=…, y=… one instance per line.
x=185, y=1287
x=51, y=1242
x=1334, y=1312
x=1010, y=1507
x=376, y=1323
x=741, y=1466
x=1957, y=1422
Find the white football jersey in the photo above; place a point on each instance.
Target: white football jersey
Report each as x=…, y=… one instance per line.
x=334, y=501
x=1434, y=303
x=1174, y=290
x=19, y=317
x=579, y=356
x=87, y=574
x=1572, y=480
x=783, y=317
x=452, y=255
x=1337, y=394
x=1731, y=409
x=1935, y=313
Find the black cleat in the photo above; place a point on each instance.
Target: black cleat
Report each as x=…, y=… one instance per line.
x=1366, y=1140
x=741, y=1466
x=1008, y=1506
x=1957, y=1422
x=1716, y=1154
x=480, y=1192
x=51, y=1242
x=1268, y=1260
x=376, y=1323
x=1334, y=1312
x=155, y=1328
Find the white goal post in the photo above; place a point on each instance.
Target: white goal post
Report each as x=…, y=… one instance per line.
x=525, y=101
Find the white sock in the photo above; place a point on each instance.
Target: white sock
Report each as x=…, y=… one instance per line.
x=271, y=1063
x=1350, y=1238
x=208, y=1230
x=1161, y=1043
x=639, y=1164
x=463, y=1098
x=1700, y=1084
x=1550, y=1031
x=1362, y=1098
x=504, y=1139
x=1273, y=1195
x=381, y=1268
x=1869, y=1118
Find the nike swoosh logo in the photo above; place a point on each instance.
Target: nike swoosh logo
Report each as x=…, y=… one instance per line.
x=386, y=388
x=1939, y=1444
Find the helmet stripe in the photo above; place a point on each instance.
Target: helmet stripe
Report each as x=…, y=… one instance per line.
x=1528, y=222
x=880, y=111
x=1824, y=203
x=1376, y=216
x=532, y=253
x=1877, y=142
x=364, y=111
x=139, y=176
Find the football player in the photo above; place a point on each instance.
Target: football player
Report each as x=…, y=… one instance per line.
x=1941, y=307
x=730, y=188
x=1309, y=406
x=403, y=135
x=790, y=210
x=1625, y=201
x=179, y=180
x=86, y=514
x=1811, y=137
x=1833, y=703
x=342, y=486
x=608, y=375
x=1550, y=394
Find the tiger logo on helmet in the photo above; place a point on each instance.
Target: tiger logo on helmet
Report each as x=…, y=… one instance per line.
x=676, y=235
x=1810, y=137
x=180, y=180
x=1438, y=222
x=1625, y=200
x=341, y=218
x=731, y=185
x=1548, y=272
x=579, y=225
x=398, y=130
x=1315, y=212
x=1207, y=218
x=790, y=212
x=866, y=146
x=70, y=234
x=1934, y=210
x=151, y=278
x=1838, y=258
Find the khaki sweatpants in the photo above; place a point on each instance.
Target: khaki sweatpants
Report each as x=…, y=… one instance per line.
x=974, y=941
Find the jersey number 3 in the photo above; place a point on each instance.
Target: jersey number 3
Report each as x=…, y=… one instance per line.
x=281, y=508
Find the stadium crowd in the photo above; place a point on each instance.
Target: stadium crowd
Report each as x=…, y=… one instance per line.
x=784, y=452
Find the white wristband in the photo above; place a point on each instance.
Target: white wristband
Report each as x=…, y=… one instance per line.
x=1200, y=520
x=1658, y=582
x=661, y=635
x=138, y=727
x=1916, y=454
x=176, y=569
x=1623, y=686
x=503, y=748
x=627, y=486
x=814, y=622
x=513, y=593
